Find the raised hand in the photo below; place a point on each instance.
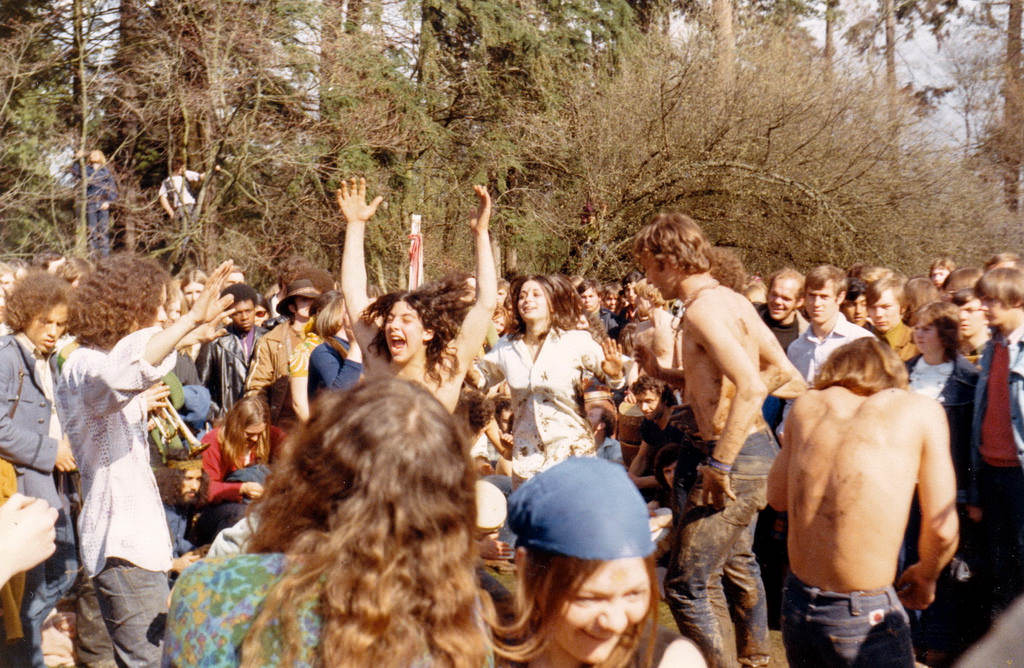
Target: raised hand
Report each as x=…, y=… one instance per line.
x=482, y=216
x=209, y=305
x=206, y=332
x=351, y=198
x=612, y=365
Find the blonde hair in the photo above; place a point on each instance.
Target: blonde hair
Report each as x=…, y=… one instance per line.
x=97, y=157
x=864, y=366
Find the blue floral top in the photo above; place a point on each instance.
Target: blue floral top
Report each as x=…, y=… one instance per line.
x=213, y=605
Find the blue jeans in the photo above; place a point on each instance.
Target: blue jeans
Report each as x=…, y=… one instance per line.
x=713, y=564
x=45, y=585
x=822, y=628
x=134, y=606
x=99, y=231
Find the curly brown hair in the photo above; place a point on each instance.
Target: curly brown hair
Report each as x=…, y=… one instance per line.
x=727, y=268
x=675, y=239
x=441, y=306
x=123, y=294
x=34, y=295
x=168, y=482
x=374, y=501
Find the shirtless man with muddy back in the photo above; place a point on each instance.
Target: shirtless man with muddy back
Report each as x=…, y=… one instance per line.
x=730, y=362
x=853, y=451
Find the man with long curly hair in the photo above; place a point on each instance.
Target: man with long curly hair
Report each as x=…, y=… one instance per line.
x=428, y=335
x=730, y=363
x=32, y=441
x=122, y=351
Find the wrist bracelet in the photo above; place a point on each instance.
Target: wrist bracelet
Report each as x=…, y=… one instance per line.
x=719, y=466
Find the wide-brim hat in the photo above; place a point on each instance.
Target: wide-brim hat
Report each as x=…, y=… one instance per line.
x=300, y=288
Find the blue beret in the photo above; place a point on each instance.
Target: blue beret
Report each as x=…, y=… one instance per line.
x=584, y=507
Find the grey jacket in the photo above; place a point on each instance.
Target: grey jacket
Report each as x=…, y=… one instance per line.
x=24, y=436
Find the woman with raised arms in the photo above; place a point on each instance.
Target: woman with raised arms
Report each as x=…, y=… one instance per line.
x=428, y=335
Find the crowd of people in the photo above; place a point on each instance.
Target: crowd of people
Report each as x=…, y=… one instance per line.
x=197, y=472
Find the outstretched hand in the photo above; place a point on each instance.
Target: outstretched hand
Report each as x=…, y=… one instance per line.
x=612, y=365
x=351, y=198
x=482, y=217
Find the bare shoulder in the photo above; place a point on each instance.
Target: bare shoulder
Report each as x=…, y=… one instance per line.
x=716, y=309
x=898, y=401
x=810, y=401
x=682, y=653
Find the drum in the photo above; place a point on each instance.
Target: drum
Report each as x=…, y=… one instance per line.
x=630, y=419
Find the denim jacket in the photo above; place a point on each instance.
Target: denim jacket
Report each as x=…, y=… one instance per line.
x=25, y=437
x=957, y=399
x=1016, y=354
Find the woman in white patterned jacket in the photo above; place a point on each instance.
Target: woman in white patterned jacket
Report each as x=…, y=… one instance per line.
x=546, y=360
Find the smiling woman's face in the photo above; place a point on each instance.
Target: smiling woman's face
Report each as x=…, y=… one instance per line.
x=611, y=601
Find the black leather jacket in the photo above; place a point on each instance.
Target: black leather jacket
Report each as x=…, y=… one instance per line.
x=223, y=368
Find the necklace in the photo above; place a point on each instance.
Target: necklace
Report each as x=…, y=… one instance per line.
x=692, y=298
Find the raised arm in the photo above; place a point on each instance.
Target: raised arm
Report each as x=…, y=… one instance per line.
x=351, y=198
x=936, y=493
x=200, y=324
x=474, y=327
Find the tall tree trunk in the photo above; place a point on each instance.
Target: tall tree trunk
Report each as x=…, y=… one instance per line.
x=82, y=98
x=725, y=43
x=889, y=16
x=129, y=103
x=1012, y=108
x=831, y=8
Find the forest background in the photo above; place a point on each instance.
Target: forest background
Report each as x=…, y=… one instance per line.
x=583, y=117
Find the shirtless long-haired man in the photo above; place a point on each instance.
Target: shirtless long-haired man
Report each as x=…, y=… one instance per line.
x=854, y=450
x=730, y=362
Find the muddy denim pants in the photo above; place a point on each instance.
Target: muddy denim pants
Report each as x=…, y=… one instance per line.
x=865, y=629
x=713, y=566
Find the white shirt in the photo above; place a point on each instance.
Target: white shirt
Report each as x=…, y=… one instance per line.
x=548, y=425
x=178, y=187
x=930, y=379
x=99, y=407
x=809, y=352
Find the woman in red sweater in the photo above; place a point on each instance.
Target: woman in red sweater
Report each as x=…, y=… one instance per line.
x=237, y=460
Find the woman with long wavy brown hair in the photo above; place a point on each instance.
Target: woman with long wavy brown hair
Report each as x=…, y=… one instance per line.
x=364, y=552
